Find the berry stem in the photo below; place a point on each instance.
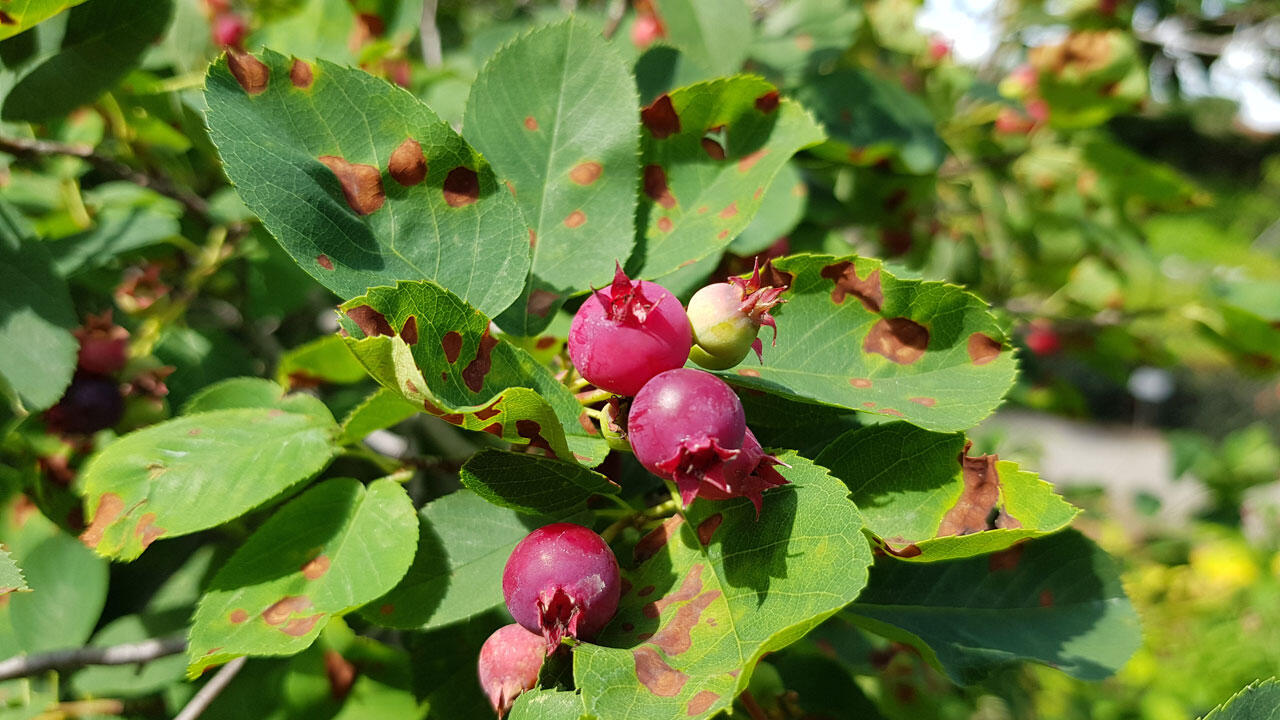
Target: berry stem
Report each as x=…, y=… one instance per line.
x=594, y=396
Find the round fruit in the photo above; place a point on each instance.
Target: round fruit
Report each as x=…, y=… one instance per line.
x=623, y=336
x=726, y=318
x=90, y=404
x=509, y=663
x=104, y=346
x=562, y=581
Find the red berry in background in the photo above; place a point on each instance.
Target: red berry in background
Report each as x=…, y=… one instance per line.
x=624, y=335
x=647, y=29
x=510, y=661
x=562, y=581
x=91, y=403
x=686, y=425
x=747, y=475
x=104, y=346
x=229, y=30
x=726, y=318
x=939, y=48
x=1012, y=122
x=1043, y=340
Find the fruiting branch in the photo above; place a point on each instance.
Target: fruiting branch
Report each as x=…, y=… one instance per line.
x=63, y=660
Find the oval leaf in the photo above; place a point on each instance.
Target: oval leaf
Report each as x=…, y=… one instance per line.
x=532, y=484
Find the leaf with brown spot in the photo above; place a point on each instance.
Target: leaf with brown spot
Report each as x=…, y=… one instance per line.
x=300, y=74
x=685, y=170
x=577, y=172
x=686, y=644
x=918, y=489
x=249, y=71
x=287, y=589
x=900, y=350
x=377, y=230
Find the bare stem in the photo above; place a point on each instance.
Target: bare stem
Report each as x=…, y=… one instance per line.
x=429, y=36
x=211, y=689
x=62, y=660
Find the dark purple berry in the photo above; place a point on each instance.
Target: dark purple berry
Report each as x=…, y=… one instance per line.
x=90, y=404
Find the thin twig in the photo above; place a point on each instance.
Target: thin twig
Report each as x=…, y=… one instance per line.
x=210, y=691
x=617, y=8
x=429, y=36
x=62, y=660
x=28, y=148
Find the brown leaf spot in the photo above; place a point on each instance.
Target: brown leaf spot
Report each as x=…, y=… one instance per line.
x=387, y=609
x=408, y=165
x=533, y=238
x=868, y=404
x=978, y=498
x=196, y=431
x=900, y=340
x=689, y=588
x=1006, y=559
x=646, y=591
x=461, y=187
x=110, y=506
x=650, y=544
x=775, y=277
x=494, y=429
x=626, y=588
x=860, y=383
x=489, y=410
x=907, y=551
x=301, y=626
x=248, y=71
x=300, y=74
x=361, y=184
x=713, y=149
x=845, y=277
x=341, y=674
x=676, y=636
x=146, y=530
x=530, y=123
x=370, y=321
x=701, y=702
x=1046, y=598
x=323, y=261
x=586, y=173
x=729, y=211
x=409, y=333
x=722, y=234
x=767, y=102
x=628, y=627
x=660, y=118
x=983, y=349
x=749, y=372
x=587, y=426
x=316, y=568
x=665, y=224
x=655, y=674
x=510, y=188
x=238, y=616
x=749, y=161
x=759, y=193
x=925, y=401
x=576, y=219
x=532, y=431
x=655, y=186
x=452, y=345
x=708, y=527
x=891, y=411
x=7, y=19
x=281, y=609
x=475, y=371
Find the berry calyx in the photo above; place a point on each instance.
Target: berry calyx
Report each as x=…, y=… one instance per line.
x=686, y=425
x=104, y=346
x=560, y=581
x=726, y=319
x=747, y=475
x=624, y=335
x=509, y=663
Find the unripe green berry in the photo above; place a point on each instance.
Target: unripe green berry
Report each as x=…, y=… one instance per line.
x=722, y=334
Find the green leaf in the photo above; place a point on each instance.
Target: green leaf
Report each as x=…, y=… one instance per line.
x=455, y=369
x=870, y=119
x=1056, y=600
x=539, y=704
x=26, y=14
x=11, y=579
x=716, y=589
x=199, y=471
x=463, y=545
x=249, y=392
x=714, y=34
x=325, y=359
x=68, y=590
x=315, y=29
x=824, y=687
x=531, y=484
x=554, y=111
x=37, y=351
x=380, y=410
x=855, y=336
x=702, y=187
x=780, y=210
x=443, y=665
x=1260, y=700
x=406, y=199
x=71, y=60
x=800, y=35
x=330, y=550
x=926, y=499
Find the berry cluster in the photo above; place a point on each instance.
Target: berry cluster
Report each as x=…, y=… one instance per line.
x=684, y=425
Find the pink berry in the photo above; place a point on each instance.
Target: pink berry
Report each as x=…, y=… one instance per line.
x=747, y=475
x=646, y=29
x=510, y=661
x=726, y=318
x=229, y=30
x=625, y=335
x=1043, y=340
x=104, y=346
x=685, y=425
x=562, y=581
